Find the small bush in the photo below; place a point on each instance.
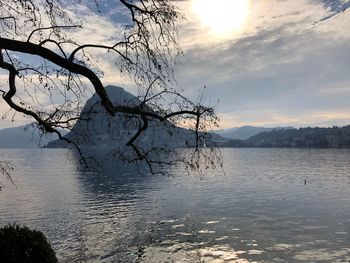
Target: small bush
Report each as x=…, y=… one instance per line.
x=23, y=245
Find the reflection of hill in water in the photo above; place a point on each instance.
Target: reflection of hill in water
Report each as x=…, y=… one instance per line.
x=130, y=215
x=107, y=175
x=115, y=197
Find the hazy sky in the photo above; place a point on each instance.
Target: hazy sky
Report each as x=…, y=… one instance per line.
x=264, y=63
x=284, y=66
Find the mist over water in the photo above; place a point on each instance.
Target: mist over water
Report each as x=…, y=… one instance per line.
x=271, y=205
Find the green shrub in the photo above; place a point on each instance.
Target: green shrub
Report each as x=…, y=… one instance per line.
x=23, y=245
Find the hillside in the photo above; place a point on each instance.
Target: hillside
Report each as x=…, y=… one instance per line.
x=25, y=136
x=244, y=132
x=335, y=137
x=104, y=131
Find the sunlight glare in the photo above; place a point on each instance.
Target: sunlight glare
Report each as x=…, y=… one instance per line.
x=223, y=17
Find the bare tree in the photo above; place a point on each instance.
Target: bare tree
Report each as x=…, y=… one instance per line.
x=45, y=61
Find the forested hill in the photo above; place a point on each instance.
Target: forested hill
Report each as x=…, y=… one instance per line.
x=335, y=137
x=245, y=132
x=98, y=129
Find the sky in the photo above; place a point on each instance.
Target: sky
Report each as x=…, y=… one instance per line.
x=263, y=63
x=285, y=66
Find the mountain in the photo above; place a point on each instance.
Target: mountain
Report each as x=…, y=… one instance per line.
x=335, y=137
x=244, y=132
x=97, y=129
x=25, y=136
x=224, y=131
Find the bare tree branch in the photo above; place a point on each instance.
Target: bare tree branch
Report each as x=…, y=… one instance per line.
x=145, y=51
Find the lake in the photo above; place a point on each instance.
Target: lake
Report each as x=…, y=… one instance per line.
x=259, y=210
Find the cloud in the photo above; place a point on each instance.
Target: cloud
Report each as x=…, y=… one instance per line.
x=282, y=68
x=287, y=65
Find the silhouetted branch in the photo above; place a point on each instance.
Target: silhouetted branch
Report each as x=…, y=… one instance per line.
x=145, y=51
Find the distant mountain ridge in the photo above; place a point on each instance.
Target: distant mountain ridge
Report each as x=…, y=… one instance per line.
x=336, y=137
x=244, y=132
x=24, y=136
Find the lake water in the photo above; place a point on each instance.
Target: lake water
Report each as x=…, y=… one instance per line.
x=260, y=210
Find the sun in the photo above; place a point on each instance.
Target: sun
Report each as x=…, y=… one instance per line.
x=221, y=16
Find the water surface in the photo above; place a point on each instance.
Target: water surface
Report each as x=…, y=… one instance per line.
x=259, y=211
